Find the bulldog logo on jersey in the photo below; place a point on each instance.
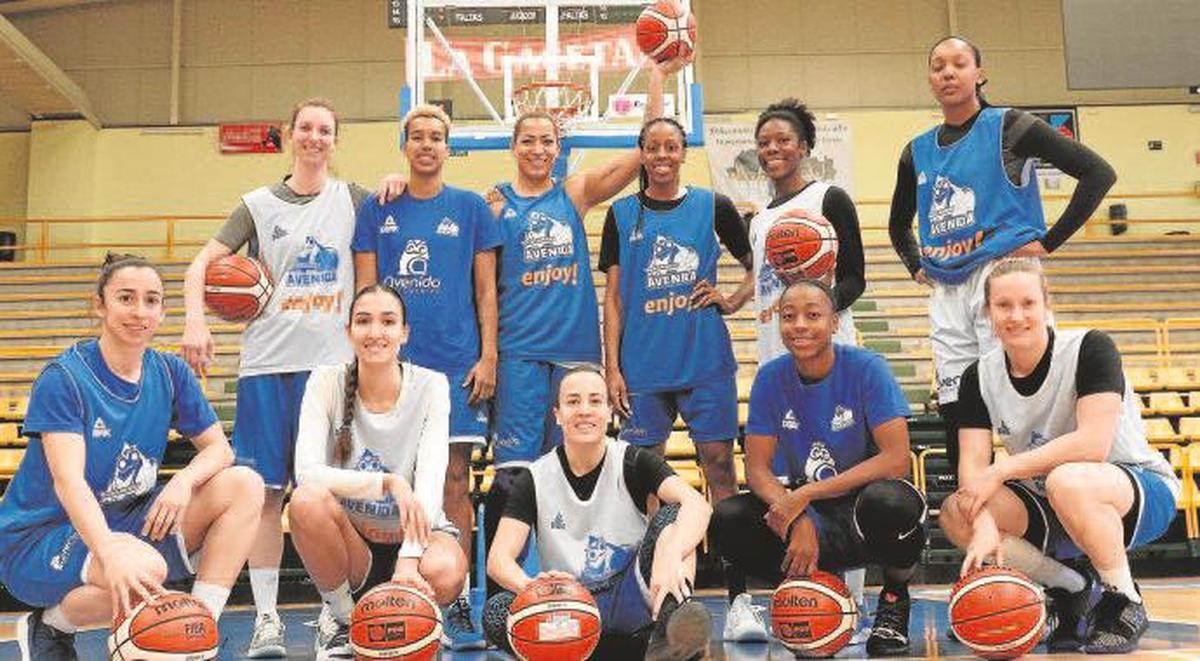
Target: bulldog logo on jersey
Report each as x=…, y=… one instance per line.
x=819, y=465
x=953, y=207
x=768, y=281
x=378, y=519
x=134, y=475
x=546, y=237
x=316, y=264
x=602, y=558
x=672, y=264
x=415, y=259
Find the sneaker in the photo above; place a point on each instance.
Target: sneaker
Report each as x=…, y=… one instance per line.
x=680, y=633
x=459, y=632
x=1118, y=624
x=41, y=642
x=1068, y=616
x=744, y=621
x=333, y=638
x=267, y=641
x=889, y=635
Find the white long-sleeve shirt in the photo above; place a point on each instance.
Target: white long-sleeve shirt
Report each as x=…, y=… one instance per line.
x=411, y=440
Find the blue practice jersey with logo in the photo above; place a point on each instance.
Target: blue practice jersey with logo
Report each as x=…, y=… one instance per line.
x=548, y=308
x=824, y=428
x=425, y=249
x=969, y=211
x=665, y=344
x=124, y=428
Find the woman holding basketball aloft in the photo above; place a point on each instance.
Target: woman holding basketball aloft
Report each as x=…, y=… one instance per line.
x=971, y=183
x=1079, y=479
x=86, y=531
x=826, y=453
x=371, y=460
x=586, y=501
x=785, y=134
x=301, y=229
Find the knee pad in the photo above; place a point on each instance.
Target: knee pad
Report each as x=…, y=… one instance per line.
x=495, y=619
x=664, y=517
x=890, y=517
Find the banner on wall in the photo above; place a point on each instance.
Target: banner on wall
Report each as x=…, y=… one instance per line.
x=259, y=138
x=733, y=161
x=1062, y=120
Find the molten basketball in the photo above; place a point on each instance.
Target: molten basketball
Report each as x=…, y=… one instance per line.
x=802, y=245
x=237, y=288
x=665, y=30
x=554, y=619
x=393, y=621
x=813, y=616
x=173, y=627
x=997, y=612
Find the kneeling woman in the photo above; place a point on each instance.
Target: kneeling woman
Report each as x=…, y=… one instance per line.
x=86, y=531
x=1080, y=479
x=586, y=501
x=371, y=463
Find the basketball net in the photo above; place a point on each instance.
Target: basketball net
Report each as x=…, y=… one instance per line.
x=561, y=99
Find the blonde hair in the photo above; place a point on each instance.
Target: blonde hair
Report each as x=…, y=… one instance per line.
x=315, y=102
x=1010, y=265
x=429, y=111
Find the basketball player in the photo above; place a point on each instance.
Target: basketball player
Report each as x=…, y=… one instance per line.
x=972, y=185
x=786, y=133
x=435, y=244
x=86, y=531
x=586, y=501
x=548, y=312
x=1080, y=479
x=831, y=420
x=371, y=464
x=301, y=229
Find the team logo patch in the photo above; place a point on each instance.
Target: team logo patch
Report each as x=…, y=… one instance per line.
x=59, y=561
x=602, y=558
x=953, y=207
x=415, y=259
x=447, y=227
x=388, y=226
x=100, y=429
x=133, y=475
x=843, y=418
x=383, y=512
x=789, y=421
x=671, y=264
x=546, y=237
x=819, y=465
x=316, y=264
x=558, y=523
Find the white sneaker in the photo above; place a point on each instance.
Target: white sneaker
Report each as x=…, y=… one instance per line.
x=333, y=638
x=744, y=621
x=267, y=641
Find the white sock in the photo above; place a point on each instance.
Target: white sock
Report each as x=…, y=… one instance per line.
x=1051, y=573
x=55, y=617
x=1121, y=580
x=264, y=583
x=213, y=596
x=855, y=582
x=340, y=602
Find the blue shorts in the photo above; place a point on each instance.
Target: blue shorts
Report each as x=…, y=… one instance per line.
x=266, y=424
x=468, y=424
x=709, y=410
x=525, y=428
x=1152, y=512
x=53, y=560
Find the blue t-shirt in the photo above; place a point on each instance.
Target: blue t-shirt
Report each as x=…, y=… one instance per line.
x=548, y=308
x=124, y=428
x=968, y=210
x=665, y=344
x=824, y=428
x=425, y=249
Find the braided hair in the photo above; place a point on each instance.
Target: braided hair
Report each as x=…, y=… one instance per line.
x=795, y=113
x=341, y=447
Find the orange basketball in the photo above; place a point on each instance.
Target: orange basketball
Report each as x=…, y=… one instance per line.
x=393, y=621
x=554, y=619
x=997, y=612
x=237, y=288
x=801, y=245
x=173, y=627
x=813, y=616
x=666, y=30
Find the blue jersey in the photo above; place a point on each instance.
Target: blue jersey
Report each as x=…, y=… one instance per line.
x=548, y=308
x=425, y=249
x=824, y=428
x=124, y=428
x=968, y=210
x=665, y=344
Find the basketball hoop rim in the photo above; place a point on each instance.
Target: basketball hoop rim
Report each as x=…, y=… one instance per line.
x=563, y=114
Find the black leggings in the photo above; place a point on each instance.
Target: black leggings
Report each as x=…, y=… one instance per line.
x=890, y=515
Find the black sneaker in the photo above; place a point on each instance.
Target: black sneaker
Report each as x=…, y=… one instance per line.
x=41, y=642
x=1117, y=625
x=681, y=632
x=889, y=636
x=1069, y=615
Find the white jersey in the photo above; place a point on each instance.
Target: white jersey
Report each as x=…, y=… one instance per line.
x=768, y=287
x=593, y=539
x=306, y=247
x=1024, y=423
x=411, y=440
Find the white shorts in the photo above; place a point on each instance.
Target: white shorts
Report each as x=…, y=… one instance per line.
x=959, y=330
